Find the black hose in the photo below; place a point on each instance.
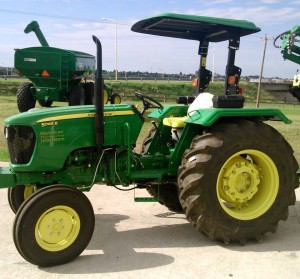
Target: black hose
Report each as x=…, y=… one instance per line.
x=279, y=36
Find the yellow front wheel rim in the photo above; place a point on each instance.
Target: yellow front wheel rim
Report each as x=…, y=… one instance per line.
x=57, y=228
x=117, y=100
x=247, y=184
x=28, y=191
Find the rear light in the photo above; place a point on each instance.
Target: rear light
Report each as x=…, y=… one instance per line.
x=20, y=74
x=240, y=90
x=232, y=80
x=195, y=82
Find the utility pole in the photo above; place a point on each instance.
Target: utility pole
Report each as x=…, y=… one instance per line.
x=116, y=43
x=213, y=62
x=262, y=69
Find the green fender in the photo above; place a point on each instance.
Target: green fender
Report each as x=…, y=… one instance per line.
x=207, y=117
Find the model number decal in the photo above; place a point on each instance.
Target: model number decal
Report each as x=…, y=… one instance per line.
x=30, y=59
x=45, y=124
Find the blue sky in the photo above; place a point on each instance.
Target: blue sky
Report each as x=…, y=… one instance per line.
x=70, y=24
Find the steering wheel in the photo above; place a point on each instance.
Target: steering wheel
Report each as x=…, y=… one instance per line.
x=148, y=102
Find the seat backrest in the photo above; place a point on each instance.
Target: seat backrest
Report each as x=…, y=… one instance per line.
x=203, y=100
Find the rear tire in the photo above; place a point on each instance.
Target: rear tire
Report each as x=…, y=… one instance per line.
x=167, y=195
x=147, y=141
x=53, y=226
x=105, y=96
x=88, y=93
x=76, y=97
x=237, y=180
x=25, y=99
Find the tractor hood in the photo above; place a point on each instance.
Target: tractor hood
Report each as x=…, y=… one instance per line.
x=41, y=139
x=193, y=27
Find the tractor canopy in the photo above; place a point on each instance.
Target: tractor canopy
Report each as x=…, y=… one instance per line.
x=194, y=27
x=205, y=30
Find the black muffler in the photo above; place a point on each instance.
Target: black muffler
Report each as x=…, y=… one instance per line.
x=98, y=93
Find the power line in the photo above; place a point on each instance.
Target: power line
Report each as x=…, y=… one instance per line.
x=63, y=17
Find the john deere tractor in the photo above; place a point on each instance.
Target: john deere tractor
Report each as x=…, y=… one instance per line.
x=228, y=171
x=291, y=51
x=56, y=75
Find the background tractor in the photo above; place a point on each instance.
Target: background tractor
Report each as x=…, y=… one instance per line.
x=55, y=75
x=229, y=172
x=291, y=51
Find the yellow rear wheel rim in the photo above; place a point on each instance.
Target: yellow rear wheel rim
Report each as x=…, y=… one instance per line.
x=57, y=228
x=105, y=96
x=247, y=184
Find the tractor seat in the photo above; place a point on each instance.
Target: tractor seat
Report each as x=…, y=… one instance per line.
x=175, y=122
x=203, y=100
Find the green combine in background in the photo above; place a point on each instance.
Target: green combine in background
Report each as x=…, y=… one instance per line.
x=56, y=75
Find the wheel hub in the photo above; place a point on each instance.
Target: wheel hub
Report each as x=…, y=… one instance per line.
x=57, y=228
x=240, y=181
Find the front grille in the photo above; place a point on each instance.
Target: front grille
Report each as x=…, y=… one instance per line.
x=21, y=142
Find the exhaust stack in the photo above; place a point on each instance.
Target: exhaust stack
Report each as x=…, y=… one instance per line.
x=98, y=93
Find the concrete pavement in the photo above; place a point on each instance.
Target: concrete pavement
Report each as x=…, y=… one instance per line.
x=145, y=240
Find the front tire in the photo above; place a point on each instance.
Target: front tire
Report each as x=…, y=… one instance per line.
x=17, y=195
x=115, y=99
x=53, y=226
x=237, y=180
x=25, y=99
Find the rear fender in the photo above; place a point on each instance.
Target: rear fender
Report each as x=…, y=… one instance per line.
x=207, y=117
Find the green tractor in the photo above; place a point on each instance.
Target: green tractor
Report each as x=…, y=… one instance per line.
x=56, y=75
x=231, y=174
x=291, y=51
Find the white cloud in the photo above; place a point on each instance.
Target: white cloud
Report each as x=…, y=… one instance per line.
x=259, y=14
x=216, y=2
x=270, y=1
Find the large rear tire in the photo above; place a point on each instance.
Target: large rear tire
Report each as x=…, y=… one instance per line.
x=167, y=195
x=76, y=97
x=237, y=180
x=25, y=99
x=53, y=226
x=147, y=141
x=89, y=93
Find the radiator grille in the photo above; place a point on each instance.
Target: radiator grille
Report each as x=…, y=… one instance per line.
x=21, y=142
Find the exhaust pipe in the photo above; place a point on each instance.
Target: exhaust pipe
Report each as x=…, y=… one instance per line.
x=98, y=93
x=34, y=26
